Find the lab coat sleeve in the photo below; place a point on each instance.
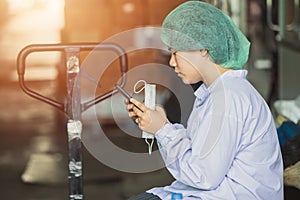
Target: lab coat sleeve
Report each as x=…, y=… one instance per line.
x=184, y=156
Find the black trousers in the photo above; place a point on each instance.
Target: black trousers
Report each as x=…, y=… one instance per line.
x=145, y=196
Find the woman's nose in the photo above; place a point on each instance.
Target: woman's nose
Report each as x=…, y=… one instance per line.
x=172, y=61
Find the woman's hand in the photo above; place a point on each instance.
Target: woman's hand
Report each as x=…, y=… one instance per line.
x=148, y=120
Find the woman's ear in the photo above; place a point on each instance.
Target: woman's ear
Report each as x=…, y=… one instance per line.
x=204, y=53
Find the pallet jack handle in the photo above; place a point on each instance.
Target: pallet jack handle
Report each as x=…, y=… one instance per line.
x=21, y=67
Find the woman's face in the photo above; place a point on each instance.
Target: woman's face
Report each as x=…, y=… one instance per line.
x=186, y=65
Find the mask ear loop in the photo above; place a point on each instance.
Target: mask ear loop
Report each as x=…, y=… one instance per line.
x=150, y=145
x=136, y=84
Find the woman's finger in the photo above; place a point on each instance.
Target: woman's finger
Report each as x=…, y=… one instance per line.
x=137, y=111
x=138, y=104
x=132, y=114
x=130, y=106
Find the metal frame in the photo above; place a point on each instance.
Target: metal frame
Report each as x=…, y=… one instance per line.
x=72, y=105
x=282, y=26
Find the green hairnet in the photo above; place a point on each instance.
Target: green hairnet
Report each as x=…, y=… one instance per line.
x=196, y=25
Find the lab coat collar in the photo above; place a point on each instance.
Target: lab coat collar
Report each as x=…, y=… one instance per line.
x=203, y=91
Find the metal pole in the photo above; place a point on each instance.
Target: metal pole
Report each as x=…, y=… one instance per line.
x=74, y=125
x=282, y=18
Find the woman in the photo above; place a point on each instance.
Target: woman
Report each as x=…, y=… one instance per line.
x=229, y=149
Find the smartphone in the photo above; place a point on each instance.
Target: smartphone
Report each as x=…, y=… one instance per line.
x=126, y=95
